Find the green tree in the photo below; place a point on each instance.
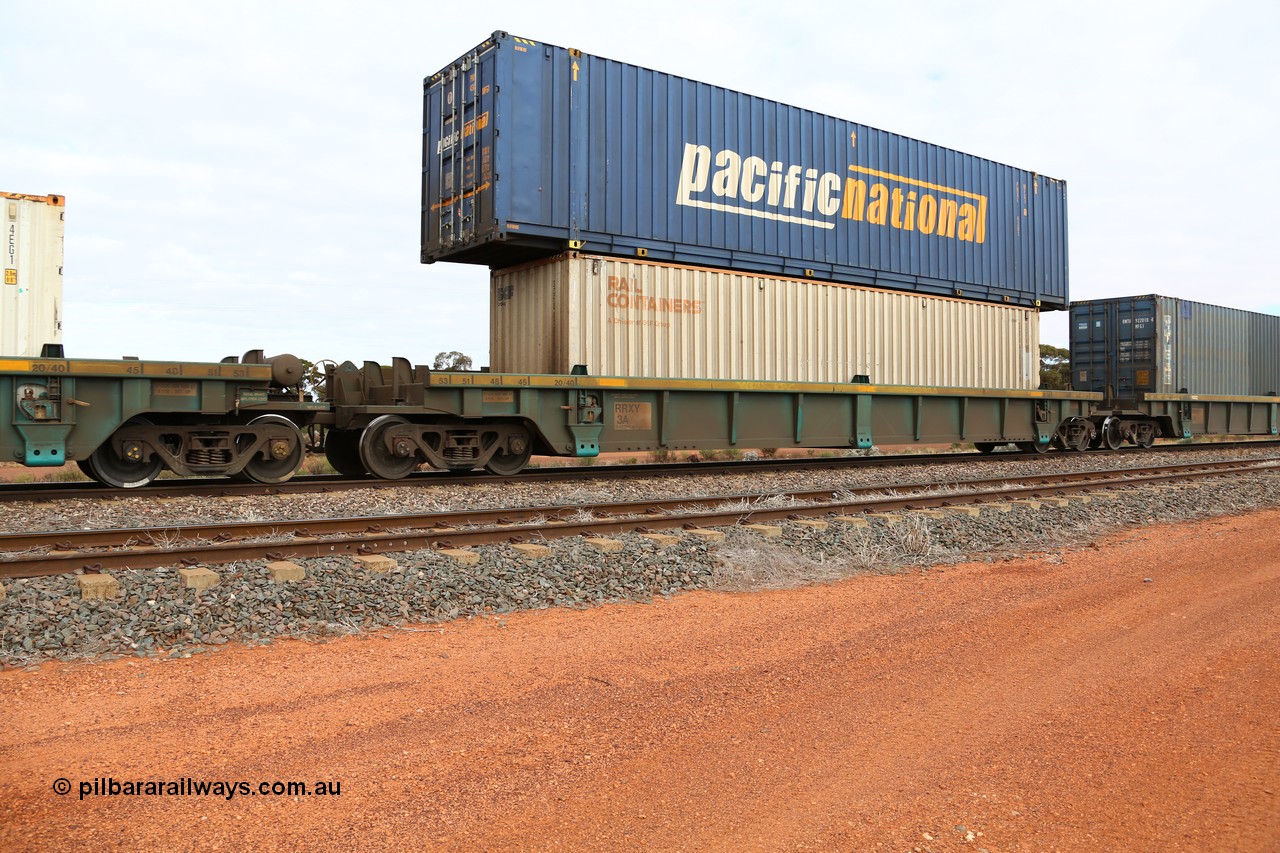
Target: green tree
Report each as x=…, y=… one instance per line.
x=312, y=377
x=1055, y=368
x=453, y=360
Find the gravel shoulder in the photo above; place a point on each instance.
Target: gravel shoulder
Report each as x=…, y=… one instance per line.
x=45, y=619
x=1116, y=696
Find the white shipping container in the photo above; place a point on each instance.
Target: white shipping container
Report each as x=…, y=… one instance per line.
x=31, y=296
x=636, y=318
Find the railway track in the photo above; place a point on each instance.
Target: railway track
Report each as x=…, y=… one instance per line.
x=154, y=547
x=222, y=487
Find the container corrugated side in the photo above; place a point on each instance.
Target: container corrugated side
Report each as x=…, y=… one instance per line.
x=31, y=295
x=1160, y=344
x=645, y=319
x=1264, y=353
x=530, y=149
x=1211, y=345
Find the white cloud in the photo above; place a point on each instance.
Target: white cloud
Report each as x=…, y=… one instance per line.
x=245, y=176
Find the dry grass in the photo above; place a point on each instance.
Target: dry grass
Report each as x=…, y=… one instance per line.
x=317, y=465
x=15, y=473
x=747, y=562
x=747, y=505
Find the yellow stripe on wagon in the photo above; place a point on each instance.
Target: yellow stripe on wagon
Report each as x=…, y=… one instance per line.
x=126, y=369
x=520, y=380
x=1209, y=398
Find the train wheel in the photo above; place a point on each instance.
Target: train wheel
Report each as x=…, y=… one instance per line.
x=378, y=459
x=283, y=461
x=514, y=455
x=123, y=472
x=1033, y=447
x=1110, y=436
x=985, y=446
x=342, y=449
x=1146, y=438
x=86, y=469
x=1076, y=434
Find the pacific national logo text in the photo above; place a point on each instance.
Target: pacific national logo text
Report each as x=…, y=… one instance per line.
x=728, y=182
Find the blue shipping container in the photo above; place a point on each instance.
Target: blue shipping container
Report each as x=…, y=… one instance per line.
x=1130, y=345
x=529, y=149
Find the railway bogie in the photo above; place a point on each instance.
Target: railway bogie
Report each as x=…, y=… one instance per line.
x=125, y=422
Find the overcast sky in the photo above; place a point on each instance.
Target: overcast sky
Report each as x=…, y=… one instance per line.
x=246, y=175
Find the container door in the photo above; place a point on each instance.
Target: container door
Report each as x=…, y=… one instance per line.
x=1138, y=360
x=1115, y=347
x=458, y=160
x=31, y=259
x=1090, y=352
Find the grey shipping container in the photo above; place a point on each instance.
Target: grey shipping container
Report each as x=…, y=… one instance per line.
x=531, y=149
x=1161, y=344
x=31, y=295
x=633, y=318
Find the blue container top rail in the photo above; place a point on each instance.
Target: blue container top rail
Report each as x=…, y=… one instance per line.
x=529, y=149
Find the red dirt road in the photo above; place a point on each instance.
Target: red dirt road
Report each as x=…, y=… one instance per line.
x=1038, y=705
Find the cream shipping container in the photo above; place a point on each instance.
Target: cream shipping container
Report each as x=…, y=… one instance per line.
x=634, y=318
x=31, y=296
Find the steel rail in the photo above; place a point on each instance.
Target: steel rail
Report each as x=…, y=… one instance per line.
x=370, y=542
x=223, y=487
x=165, y=535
